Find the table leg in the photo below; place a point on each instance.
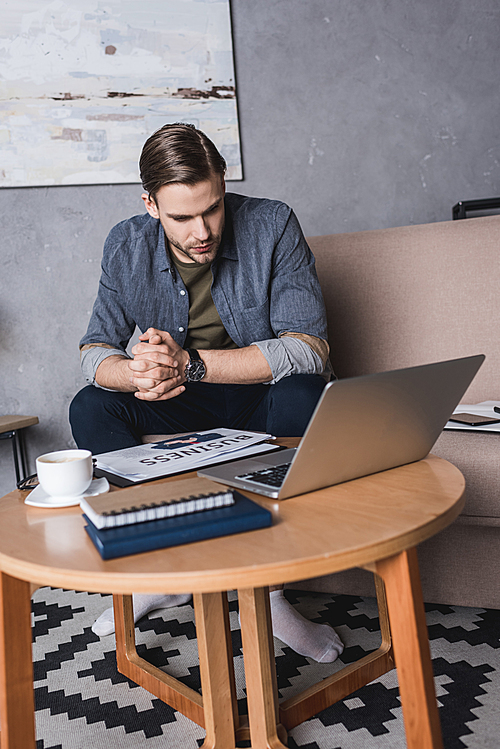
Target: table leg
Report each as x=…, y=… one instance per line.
x=260, y=671
x=130, y=664
x=22, y=452
x=317, y=697
x=15, y=452
x=218, y=687
x=17, y=703
x=217, y=709
x=411, y=649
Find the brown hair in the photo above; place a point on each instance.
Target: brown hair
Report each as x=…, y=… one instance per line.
x=178, y=153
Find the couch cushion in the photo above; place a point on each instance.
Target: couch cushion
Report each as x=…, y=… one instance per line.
x=478, y=457
x=457, y=567
x=412, y=295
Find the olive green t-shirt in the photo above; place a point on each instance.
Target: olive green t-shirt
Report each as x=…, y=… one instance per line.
x=205, y=328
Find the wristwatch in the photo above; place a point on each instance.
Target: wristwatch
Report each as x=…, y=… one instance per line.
x=195, y=368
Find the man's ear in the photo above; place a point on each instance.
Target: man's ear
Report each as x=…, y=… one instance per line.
x=151, y=206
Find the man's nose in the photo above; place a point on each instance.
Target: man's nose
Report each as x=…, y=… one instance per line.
x=201, y=230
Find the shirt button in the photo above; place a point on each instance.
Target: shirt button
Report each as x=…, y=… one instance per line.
x=182, y=292
x=181, y=329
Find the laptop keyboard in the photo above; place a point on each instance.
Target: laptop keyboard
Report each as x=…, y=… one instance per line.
x=269, y=476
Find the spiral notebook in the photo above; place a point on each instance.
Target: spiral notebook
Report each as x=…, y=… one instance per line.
x=242, y=516
x=147, y=502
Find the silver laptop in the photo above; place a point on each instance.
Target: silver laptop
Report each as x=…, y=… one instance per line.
x=361, y=425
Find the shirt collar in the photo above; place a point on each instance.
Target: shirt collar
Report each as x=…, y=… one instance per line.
x=162, y=256
x=228, y=247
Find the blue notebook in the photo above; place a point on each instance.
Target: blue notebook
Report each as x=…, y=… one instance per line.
x=243, y=515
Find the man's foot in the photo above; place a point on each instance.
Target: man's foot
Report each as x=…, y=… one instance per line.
x=143, y=604
x=317, y=641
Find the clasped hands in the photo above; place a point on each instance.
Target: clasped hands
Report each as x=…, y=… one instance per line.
x=157, y=369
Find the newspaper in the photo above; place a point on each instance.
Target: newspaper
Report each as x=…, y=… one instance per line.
x=485, y=408
x=184, y=453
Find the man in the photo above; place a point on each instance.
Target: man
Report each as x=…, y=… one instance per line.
x=234, y=330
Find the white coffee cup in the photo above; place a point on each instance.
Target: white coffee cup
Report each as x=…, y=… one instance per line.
x=65, y=473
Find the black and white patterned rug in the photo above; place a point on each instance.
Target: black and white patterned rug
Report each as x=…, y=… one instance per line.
x=82, y=701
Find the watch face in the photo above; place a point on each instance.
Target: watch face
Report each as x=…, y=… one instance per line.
x=195, y=371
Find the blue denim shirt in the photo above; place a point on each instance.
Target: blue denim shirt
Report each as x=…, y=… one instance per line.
x=264, y=285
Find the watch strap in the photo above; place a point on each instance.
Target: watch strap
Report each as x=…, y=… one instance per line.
x=193, y=354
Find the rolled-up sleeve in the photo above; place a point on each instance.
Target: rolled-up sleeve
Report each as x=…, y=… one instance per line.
x=291, y=354
x=91, y=357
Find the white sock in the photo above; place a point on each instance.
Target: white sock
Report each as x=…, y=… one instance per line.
x=143, y=604
x=317, y=641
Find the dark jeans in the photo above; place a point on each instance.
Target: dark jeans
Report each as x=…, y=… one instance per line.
x=103, y=420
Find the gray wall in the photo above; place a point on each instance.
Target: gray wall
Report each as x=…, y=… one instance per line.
x=361, y=114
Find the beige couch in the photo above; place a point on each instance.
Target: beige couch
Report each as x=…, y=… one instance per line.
x=412, y=295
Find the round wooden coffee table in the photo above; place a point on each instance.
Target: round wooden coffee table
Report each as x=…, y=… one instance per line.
x=375, y=522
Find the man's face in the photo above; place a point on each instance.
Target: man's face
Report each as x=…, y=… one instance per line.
x=192, y=217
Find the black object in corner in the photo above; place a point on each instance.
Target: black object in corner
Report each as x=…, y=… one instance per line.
x=461, y=209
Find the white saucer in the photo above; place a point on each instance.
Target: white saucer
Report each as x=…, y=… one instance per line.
x=39, y=497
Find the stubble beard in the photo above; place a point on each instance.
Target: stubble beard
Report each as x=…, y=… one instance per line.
x=200, y=258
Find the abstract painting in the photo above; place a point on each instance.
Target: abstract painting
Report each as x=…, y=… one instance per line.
x=83, y=83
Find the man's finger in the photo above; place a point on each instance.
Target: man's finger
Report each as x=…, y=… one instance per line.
x=158, y=355
x=164, y=369
x=146, y=350
x=158, y=335
x=150, y=383
x=160, y=383
x=151, y=395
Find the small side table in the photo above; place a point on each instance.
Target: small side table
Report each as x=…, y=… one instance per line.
x=374, y=522
x=11, y=428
